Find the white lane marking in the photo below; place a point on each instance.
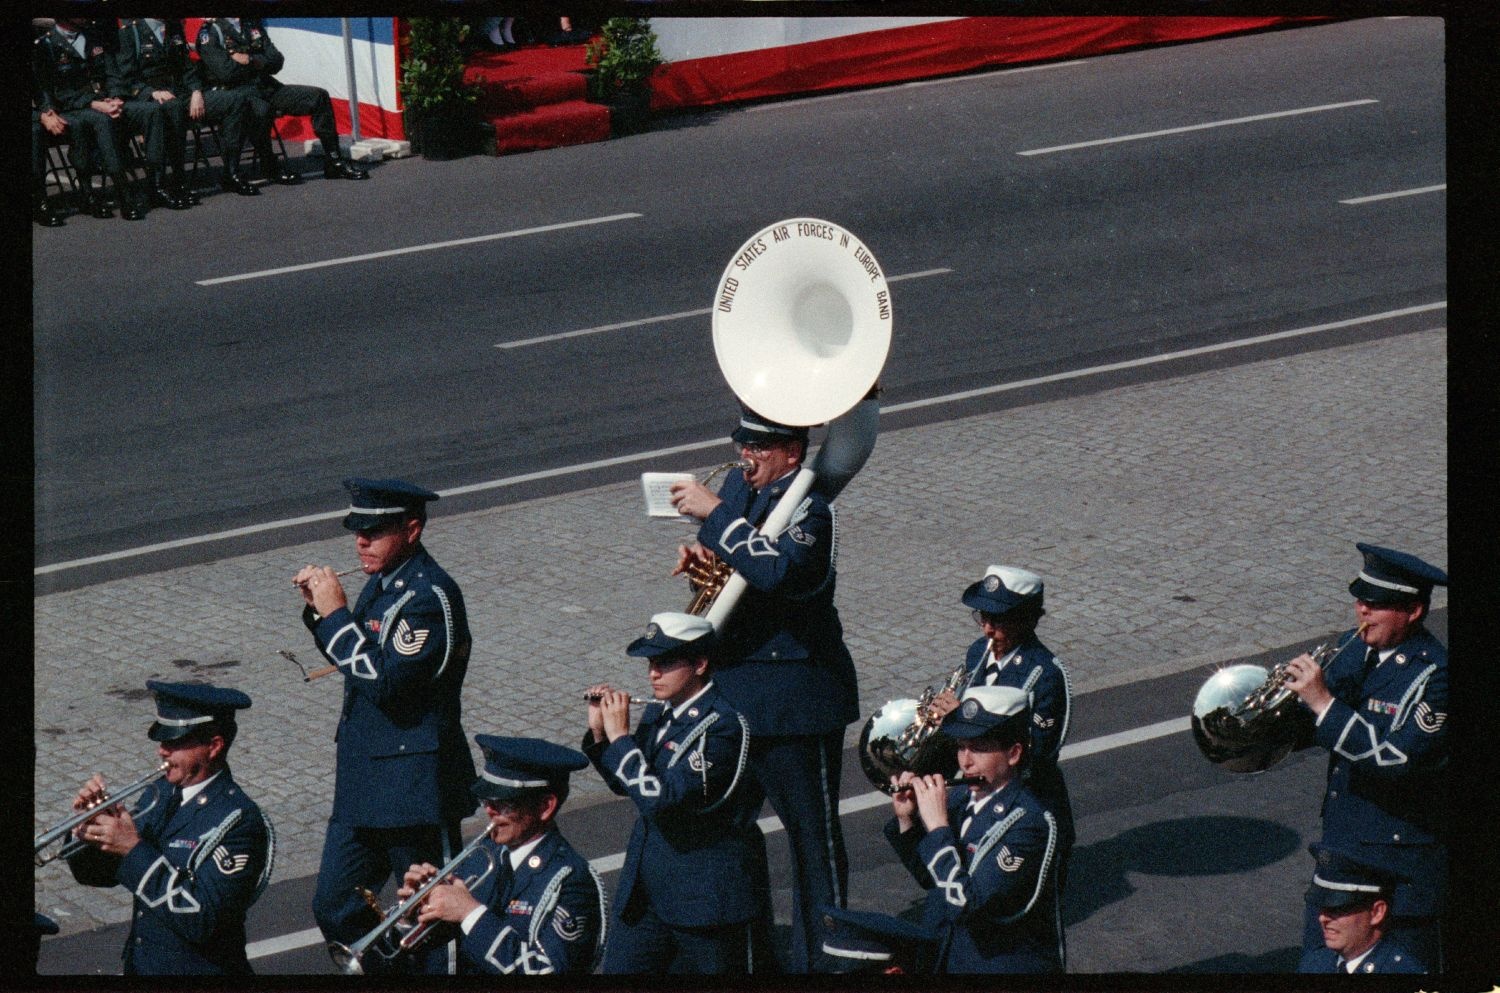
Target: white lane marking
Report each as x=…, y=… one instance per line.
x=1166, y=357
x=719, y=442
x=1397, y=193
x=770, y=825
x=663, y=318
x=1197, y=127
x=792, y=104
x=429, y=247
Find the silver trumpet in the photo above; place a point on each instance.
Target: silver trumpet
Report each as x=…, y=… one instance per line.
x=62, y=829
x=395, y=935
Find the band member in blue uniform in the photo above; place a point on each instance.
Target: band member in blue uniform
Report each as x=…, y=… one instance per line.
x=857, y=941
x=71, y=76
x=403, y=768
x=1352, y=902
x=238, y=54
x=984, y=851
x=198, y=857
x=781, y=661
x=542, y=910
x=695, y=872
x=1007, y=604
x=1381, y=710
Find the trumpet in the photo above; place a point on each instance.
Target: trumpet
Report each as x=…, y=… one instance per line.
x=706, y=580
x=384, y=940
x=340, y=575
x=596, y=697
x=65, y=827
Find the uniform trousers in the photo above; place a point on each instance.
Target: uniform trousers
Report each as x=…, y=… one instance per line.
x=650, y=945
x=161, y=125
x=368, y=857
x=292, y=100
x=800, y=775
x=94, y=141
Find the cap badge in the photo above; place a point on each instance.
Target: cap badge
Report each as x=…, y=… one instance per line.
x=971, y=708
x=991, y=583
x=652, y=630
x=535, y=861
x=828, y=921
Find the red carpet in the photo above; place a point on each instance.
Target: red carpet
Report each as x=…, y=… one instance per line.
x=536, y=97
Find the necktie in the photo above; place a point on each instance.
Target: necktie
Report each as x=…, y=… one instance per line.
x=173, y=803
x=1372, y=659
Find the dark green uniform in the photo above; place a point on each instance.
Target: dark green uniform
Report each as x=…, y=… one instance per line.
x=219, y=40
x=70, y=72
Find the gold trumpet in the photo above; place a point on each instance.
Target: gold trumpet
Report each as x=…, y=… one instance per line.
x=98, y=806
x=706, y=579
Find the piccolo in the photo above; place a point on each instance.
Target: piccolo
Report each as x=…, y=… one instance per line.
x=596, y=697
x=340, y=575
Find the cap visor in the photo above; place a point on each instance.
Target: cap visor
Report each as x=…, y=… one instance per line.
x=1370, y=593
x=167, y=732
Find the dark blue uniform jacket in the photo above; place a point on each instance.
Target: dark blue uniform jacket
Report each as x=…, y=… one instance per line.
x=695, y=853
x=1387, y=736
x=548, y=917
x=193, y=877
x=786, y=668
x=402, y=755
x=1033, y=667
x=992, y=896
x=218, y=41
x=1387, y=956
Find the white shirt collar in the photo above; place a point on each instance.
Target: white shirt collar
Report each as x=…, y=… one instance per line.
x=158, y=27
x=188, y=792
x=1003, y=661
x=1352, y=964
x=385, y=578
x=678, y=710
x=518, y=855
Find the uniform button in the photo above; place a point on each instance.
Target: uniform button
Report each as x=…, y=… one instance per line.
x=401, y=749
x=1395, y=837
x=1332, y=794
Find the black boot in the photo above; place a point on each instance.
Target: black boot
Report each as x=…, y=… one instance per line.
x=181, y=190
x=129, y=209
x=338, y=167
x=273, y=170
x=233, y=182
x=158, y=195
x=42, y=212
x=95, y=204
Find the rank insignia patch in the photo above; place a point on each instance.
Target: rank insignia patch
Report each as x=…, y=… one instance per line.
x=408, y=641
x=1007, y=861
x=1429, y=720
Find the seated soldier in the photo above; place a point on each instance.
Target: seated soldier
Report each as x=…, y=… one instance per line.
x=239, y=56
x=541, y=911
x=984, y=851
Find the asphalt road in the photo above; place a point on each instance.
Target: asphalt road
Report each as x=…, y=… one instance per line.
x=1154, y=820
x=166, y=409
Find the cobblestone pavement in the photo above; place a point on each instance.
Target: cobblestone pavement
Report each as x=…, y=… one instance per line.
x=1176, y=523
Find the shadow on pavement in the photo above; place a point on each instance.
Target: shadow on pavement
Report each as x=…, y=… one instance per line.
x=1187, y=846
x=1278, y=960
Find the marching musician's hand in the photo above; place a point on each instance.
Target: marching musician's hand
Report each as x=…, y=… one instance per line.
x=415, y=877
x=243, y=58
x=595, y=695
x=450, y=901
x=903, y=801
x=932, y=800
x=112, y=832
x=614, y=708
x=943, y=704
x=321, y=588
x=687, y=554
x=693, y=498
x=1305, y=678
x=89, y=793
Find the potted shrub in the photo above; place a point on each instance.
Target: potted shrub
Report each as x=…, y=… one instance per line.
x=438, y=105
x=623, y=57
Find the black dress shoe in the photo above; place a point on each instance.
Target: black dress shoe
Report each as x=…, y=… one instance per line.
x=235, y=183
x=130, y=210
x=43, y=214
x=95, y=204
x=281, y=177
x=182, y=192
x=160, y=196
x=343, y=169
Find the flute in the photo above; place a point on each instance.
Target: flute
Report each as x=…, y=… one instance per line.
x=596, y=697
x=340, y=575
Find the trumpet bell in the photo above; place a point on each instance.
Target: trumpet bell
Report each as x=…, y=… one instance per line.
x=344, y=958
x=802, y=321
x=1234, y=736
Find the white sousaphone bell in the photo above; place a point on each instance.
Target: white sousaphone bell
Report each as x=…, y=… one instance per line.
x=801, y=329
